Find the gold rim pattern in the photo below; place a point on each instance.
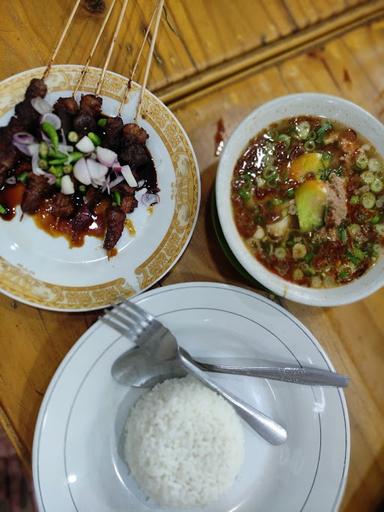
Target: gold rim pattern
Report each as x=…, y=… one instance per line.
x=21, y=284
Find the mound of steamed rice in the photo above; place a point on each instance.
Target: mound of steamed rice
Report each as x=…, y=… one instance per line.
x=184, y=444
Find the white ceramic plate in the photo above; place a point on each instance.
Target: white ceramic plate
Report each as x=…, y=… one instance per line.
x=76, y=465
x=43, y=271
x=312, y=104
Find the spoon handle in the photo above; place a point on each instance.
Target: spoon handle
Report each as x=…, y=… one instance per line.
x=266, y=427
x=295, y=374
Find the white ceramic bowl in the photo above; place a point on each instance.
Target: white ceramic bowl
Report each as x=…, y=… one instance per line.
x=314, y=104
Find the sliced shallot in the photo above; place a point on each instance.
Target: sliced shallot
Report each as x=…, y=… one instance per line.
x=81, y=172
x=11, y=180
x=67, y=186
x=128, y=176
x=52, y=119
x=85, y=145
x=149, y=199
x=106, y=156
x=41, y=105
x=97, y=172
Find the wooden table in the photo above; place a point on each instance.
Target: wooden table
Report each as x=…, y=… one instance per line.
x=217, y=59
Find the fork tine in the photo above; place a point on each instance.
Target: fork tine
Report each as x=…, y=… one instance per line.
x=130, y=306
x=116, y=326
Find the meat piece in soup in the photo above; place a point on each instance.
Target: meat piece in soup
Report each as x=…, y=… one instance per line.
x=308, y=200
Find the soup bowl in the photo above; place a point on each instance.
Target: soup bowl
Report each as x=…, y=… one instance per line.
x=308, y=104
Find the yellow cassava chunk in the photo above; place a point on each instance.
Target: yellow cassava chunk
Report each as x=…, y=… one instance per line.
x=304, y=164
x=311, y=199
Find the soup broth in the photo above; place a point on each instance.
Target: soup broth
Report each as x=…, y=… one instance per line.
x=308, y=200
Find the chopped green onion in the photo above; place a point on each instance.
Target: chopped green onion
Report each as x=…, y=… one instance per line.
x=368, y=200
x=309, y=257
x=54, y=153
x=276, y=201
x=280, y=253
x=377, y=185
x=375, y=219
x=116, y=197
x=310, y=145
x=58, y=161
x=23, y=177
x=102, y=122
x=374, y=165
x=284, y=138
x=3, y=210
x=303, y=130
x=299, y=251
x=320, y=133
x=342, y=234
x=82, y=189
x=312, y=135
x=73, y=137
x=67, y=169
x=344, y=274
x=94, y=138
x=316, y=282
x=297, y=274
x=362, y=161
x=354, y=200
x=354, y=230
x=43, y=149
x=367, y=177
x=380, y=229
x=50, y=130
x=269, y=172
x=326, y=158
x=244, y=194
x=43, y=164
x=56, y=171
x=74, y=157
x=291, y=193
x=58, y=182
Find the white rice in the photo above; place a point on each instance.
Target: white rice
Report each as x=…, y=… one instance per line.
x=184, y=444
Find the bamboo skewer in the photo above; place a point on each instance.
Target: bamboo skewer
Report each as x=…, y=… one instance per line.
x=150, y=56
x=60, y=42
x=115, y=35
x=128, y=86
x=90, y=56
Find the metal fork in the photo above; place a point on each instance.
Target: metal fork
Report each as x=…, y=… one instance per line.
x=161, y=346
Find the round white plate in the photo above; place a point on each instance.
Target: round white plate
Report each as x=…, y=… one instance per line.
x=44, y=271
x=76, y=462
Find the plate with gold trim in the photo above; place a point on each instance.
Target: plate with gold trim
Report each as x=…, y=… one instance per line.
x=41, y=270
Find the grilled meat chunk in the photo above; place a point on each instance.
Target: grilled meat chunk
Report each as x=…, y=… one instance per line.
x=81, y=221
x=112, y=133
x=62, y=205
x=28, y=116
x=91, y=104
x=133, y=133
x=135, y=155
x=84, y=123
x=37, y=190
x=115, y=227
x=37, y=87
x=7, y=161
x=66, y=109
x=128, y=204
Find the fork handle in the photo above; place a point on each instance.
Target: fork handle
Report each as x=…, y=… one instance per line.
x=266, y=427
x=295, y=374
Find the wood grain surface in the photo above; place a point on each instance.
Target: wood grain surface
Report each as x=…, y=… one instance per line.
x=349, y=62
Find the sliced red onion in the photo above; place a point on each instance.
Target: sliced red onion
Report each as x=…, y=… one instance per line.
x=105, y=187
x=41, y=105
x=81, y=172
x=53, y=119
x=116, y=181
x=45, y=137
x=65, y=148
x=35, y=165
x=22, y=147
x=97, y=172
x=85, y=145
x=23, y=138
x=50, y=177
x=33, y=149
x=67, y=186
x=11, y=181
x=149, y=199
x=116, y=167
x=128, y=176
x=106, y=156
x=63, y=137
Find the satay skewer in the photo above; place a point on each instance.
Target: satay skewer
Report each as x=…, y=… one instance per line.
x=114, y=39
x=128, y=86
x=90, y=56
x=150, y=57
x=60, y=42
